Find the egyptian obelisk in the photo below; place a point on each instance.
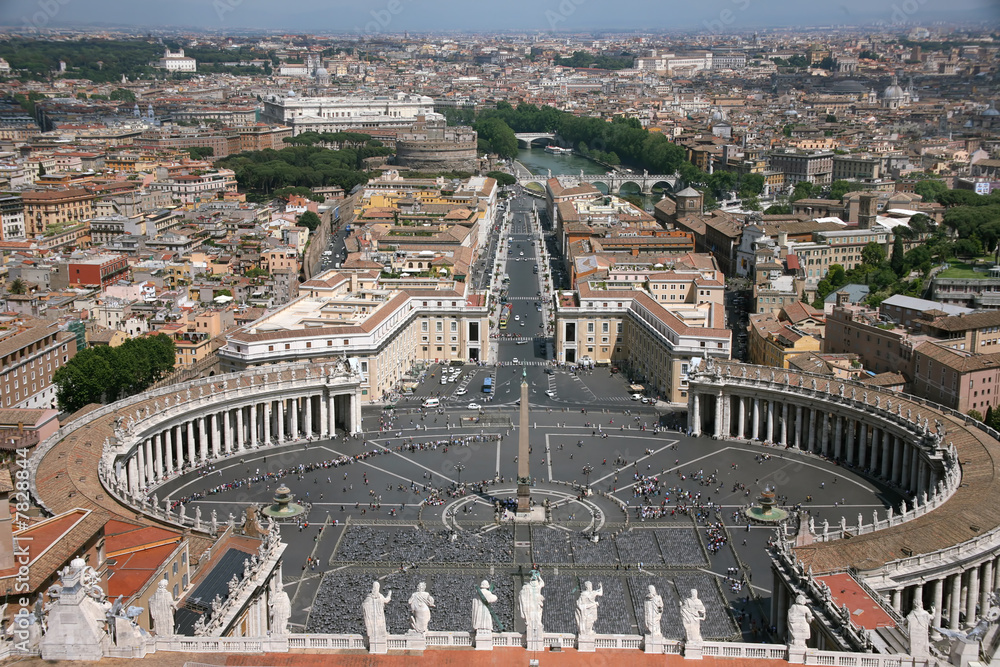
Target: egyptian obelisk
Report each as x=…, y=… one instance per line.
x=523, y=468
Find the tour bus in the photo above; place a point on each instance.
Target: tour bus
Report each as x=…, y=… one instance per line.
x=488, y=385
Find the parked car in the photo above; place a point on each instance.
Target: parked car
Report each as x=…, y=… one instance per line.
x=636, y=397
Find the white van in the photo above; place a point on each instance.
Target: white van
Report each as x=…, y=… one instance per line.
x=432, y=402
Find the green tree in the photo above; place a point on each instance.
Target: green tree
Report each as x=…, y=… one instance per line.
x=975, y=414
x=498, y=137
x=830, y=118
x=99, y=374
x=17, y=287
x=200, y=152
x=778, y=209
x=122, y=95
x=897, y=261
x=751, y=184
x=502, y=178
x=872, y=254
x=803, y=190
x=930, y=189
x=751, y=203
x=309, y=220
x=839, y=188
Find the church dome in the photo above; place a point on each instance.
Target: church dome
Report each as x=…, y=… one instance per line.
x=893, y=91
x=991, y=110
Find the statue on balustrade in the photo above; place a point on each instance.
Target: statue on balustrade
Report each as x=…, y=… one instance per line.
x=532, y=602
x=799, y=616
x=161, y=610
x=482, y=612
x=653, y=612
x=586, y=609
x=420, y=608
x=918, y=623
x=281, y=609
x=373, y=609
x=692, y=614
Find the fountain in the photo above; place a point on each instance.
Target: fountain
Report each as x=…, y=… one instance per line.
x=283, y=507
x=765, y=510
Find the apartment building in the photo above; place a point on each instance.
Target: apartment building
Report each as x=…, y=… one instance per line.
x=634, y=329
x=11, y=218
x=958, y=379
x=881, y=347
x=772, y=342
x=30, y=352
x=43, y=208
x=815, y=167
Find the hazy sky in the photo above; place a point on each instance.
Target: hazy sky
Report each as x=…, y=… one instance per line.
x=394, y=16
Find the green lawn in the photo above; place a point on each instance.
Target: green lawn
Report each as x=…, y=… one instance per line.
x=964, y=269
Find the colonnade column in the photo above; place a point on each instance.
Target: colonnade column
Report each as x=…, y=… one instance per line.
x=955, y=602
x=784, y=423
x=168, y=450
x=179, y=443
x=227, y=432
x=938, y=594
x=741, y=418
x=133, y=476
x=253, y=425
x=838, y=431
x=307, y=425
x=719, y=416
x=824, y=440
x=267, y=423
x=798, y=426
x=240, y=433
x=769, y=433
x=281, y=421
x=972, y=597
x=293, y=423
x=190, y=442
x=157, y=458
x=986, y=586
x=755, y=422
x=324, y=417
x=203, y=437
x=897, y=460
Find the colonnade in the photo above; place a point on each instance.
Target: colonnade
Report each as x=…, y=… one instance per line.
x=959, y=597
x=178, y=445
x=827, y=429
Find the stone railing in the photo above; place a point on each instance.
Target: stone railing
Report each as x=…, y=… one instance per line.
x=908, y=511
x=273, y=644
x=839, y=659
x=326, y=642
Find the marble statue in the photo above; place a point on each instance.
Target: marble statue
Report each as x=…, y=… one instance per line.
x=878, y=401
x=840, y=391
x=215, y=522
x=919, y=622
x=812, y=525
x=420, y=608
x=826, y=528
x=197, y=518
x=799, y=617
x=653, y=612
x=482, y=614
x=874, y=517
x=281, y=609
x=861, y=521
x=183, y=512
x=234, y=583
x=232, y=521
x=373, y=609
x=692, y=614
x=161, y=610
x=532, y=601
x=586, y=609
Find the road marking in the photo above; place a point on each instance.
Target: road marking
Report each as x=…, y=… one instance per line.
x=548, y=457
x=374, y=467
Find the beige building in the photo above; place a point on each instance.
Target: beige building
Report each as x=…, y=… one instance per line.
x=30, y=352
x=387, y=325
x=43, y=208
x=641, y=330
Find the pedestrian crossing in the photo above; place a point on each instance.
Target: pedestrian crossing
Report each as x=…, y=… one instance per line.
x=523, y=298
x=524, y=363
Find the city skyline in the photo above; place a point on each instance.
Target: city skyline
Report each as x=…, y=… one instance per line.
x=396, y=16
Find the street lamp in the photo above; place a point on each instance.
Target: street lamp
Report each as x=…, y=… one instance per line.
x=587, y=469
x=459, y=467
